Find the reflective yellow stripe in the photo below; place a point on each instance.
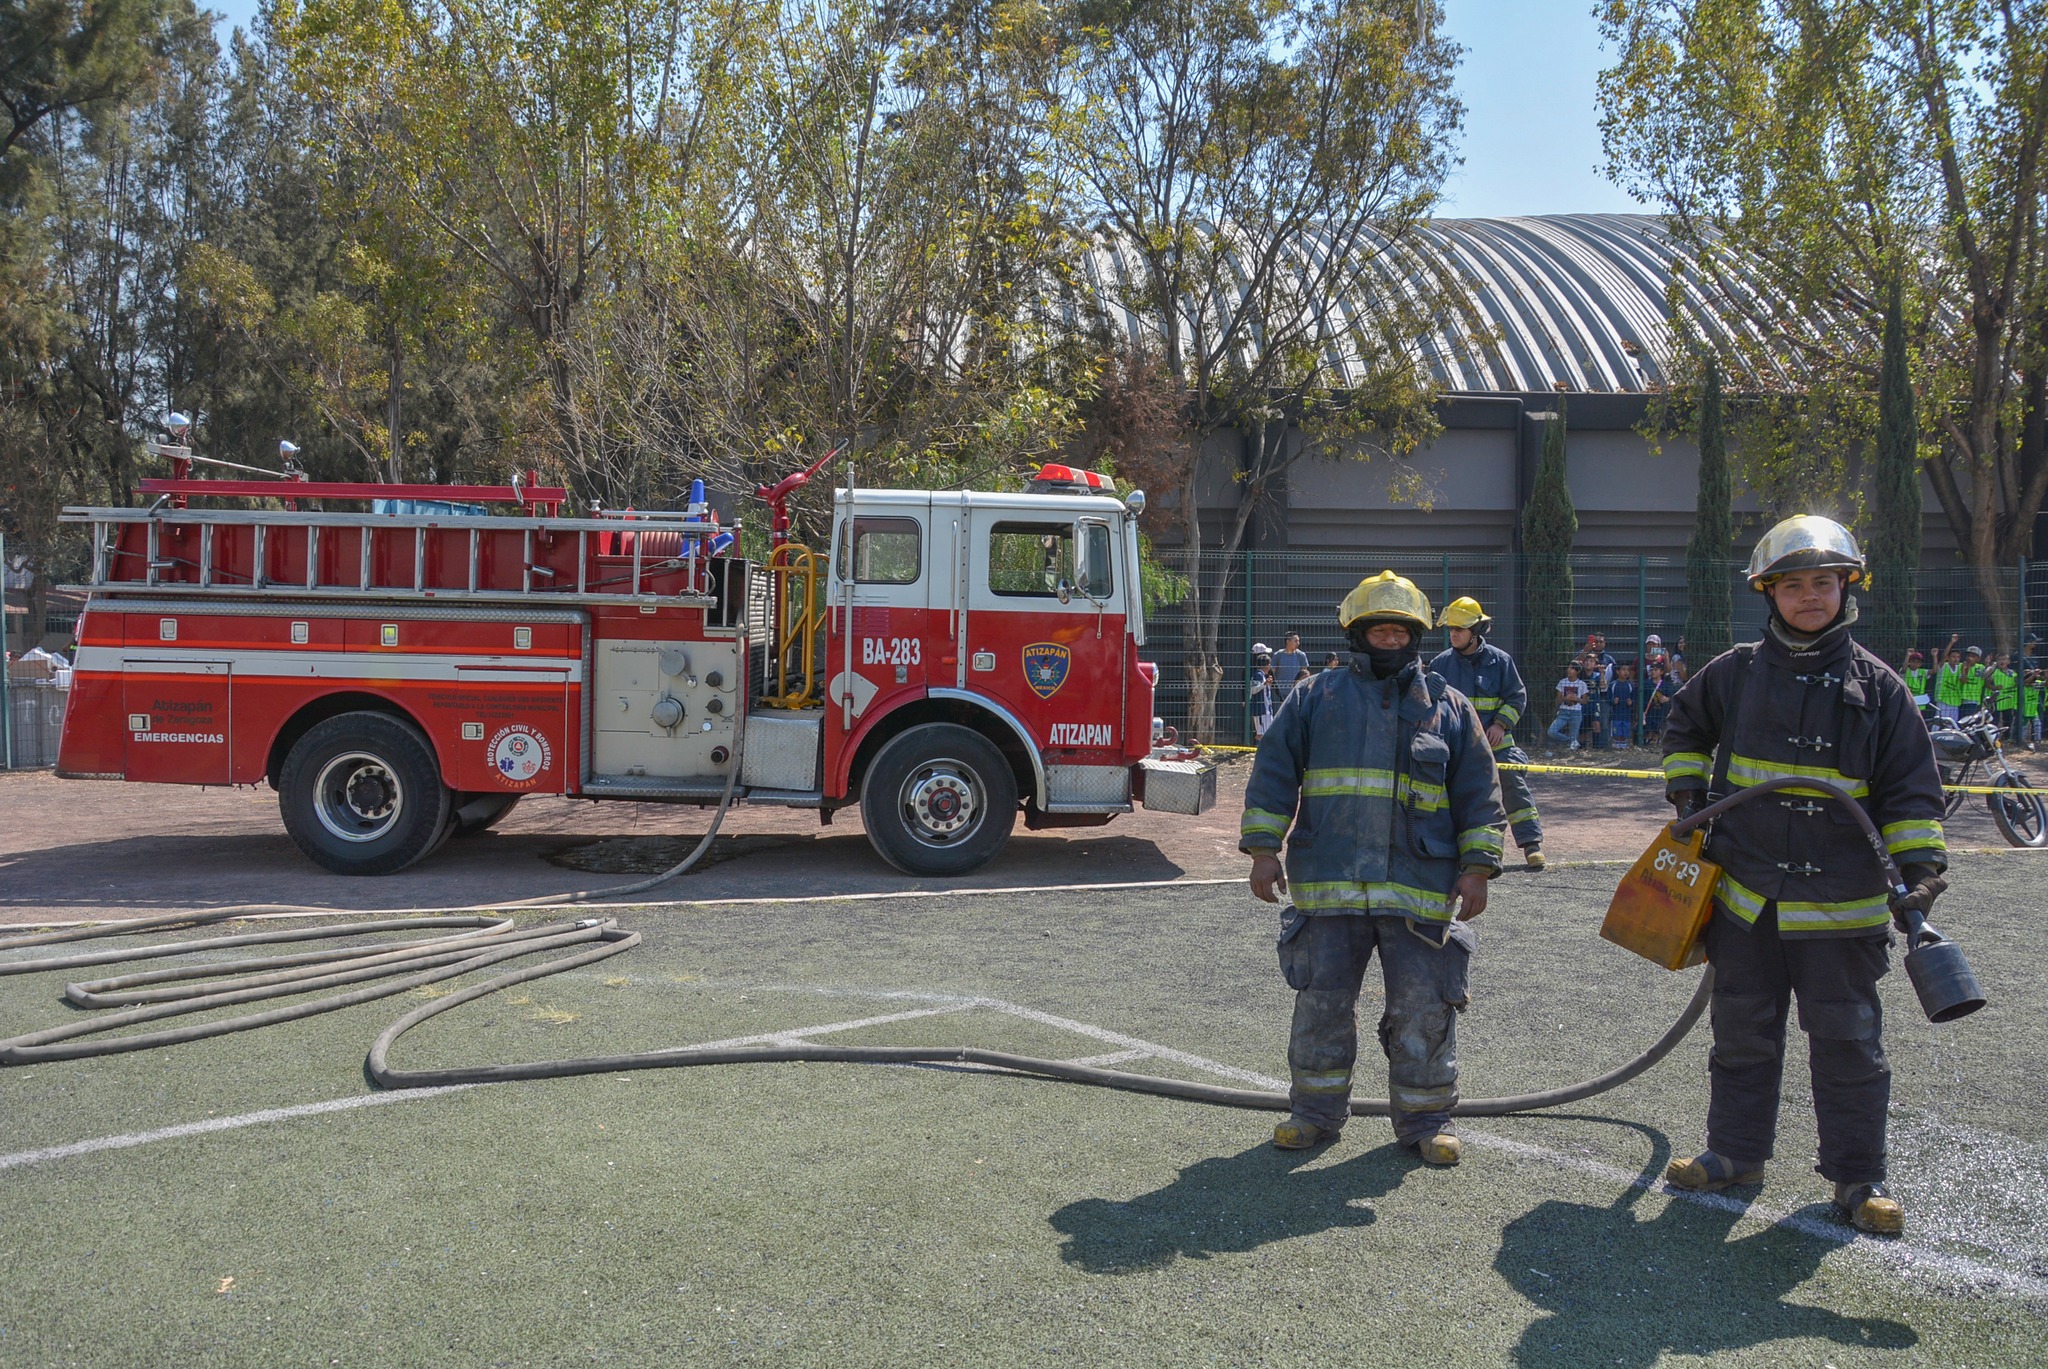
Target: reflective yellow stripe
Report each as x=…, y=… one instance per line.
x=1324, y=784
x=1259, y=822
x=1483, y=704
x=1421, y=795
x=1428, y=904
x=1742, y=902
x=1486, y=839
x=1744, y=771
x=1508, y=716
x=1521, y=815
x=1924, y=835
x=1850, y=915
x=1323, y=1083
x=1686, y=765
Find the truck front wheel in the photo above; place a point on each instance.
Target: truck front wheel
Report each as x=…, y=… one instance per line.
x=939, y=800
x=361, y=794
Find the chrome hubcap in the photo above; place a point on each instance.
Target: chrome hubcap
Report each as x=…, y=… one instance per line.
x=941, y=800
x=357, y=797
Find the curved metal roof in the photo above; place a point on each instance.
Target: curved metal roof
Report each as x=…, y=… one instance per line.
x=1577, y=303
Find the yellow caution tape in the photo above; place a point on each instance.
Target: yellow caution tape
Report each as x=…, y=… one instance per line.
x=1582, y=770
x=1617, y=773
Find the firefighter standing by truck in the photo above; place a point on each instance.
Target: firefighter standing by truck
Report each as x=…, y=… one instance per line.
x=1386, y=779
x=1486, y=675
x=1801, y=910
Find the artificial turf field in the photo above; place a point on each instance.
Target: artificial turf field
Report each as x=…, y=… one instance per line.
x=856, y=1215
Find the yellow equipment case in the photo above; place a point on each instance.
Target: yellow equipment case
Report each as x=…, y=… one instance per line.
x=1661, y=907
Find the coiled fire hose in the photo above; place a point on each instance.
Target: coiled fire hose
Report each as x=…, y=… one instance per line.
x=487, y=941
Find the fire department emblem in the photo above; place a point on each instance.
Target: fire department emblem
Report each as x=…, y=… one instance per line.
x=1045, y=667
x=519, y=754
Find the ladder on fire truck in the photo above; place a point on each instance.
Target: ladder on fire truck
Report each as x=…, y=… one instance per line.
x=425, y=556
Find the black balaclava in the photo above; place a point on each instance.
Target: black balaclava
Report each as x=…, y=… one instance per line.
x=1383, y=663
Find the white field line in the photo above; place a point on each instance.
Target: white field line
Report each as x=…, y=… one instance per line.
x=1900, y=1255
x=1113, y=1058
x=245, y=1119
x=795, y=1037
x=458, y=908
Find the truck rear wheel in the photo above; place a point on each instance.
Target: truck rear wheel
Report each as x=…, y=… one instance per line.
x=939, y=800
x=361, y=794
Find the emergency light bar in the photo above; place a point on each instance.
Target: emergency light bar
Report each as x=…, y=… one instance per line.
x=1067, y=480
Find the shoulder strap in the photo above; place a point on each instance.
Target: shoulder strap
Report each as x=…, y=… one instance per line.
x=1745, y=652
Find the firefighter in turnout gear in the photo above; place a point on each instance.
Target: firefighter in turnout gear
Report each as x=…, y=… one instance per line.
x=1802, y=911
x=1384, y=775
x=1486, y=675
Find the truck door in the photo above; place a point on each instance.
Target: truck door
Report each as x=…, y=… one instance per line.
x=1045, y=639
x=882, y=647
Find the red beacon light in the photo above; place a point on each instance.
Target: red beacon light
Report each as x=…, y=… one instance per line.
x=1067, y=480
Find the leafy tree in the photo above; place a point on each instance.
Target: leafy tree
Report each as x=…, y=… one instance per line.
x=1803, y=148
x=1249, y=170
x=1894, y=542
x=1708, y=608
x=1549, y=527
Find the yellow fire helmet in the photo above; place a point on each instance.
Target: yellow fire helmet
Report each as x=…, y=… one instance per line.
x=1466, y=612
x=1386, y=597
x=1808, y=542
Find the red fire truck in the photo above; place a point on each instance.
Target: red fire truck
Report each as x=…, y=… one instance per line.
x=408, y=671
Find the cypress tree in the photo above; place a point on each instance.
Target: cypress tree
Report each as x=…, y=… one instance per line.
x=1708, y=608
x=1894, y=546
x=1549, y=526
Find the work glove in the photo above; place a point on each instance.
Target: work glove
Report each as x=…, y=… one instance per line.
x=1923, y=886
x=1688, y=802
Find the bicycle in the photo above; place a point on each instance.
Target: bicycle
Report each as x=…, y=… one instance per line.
x=1971, y=748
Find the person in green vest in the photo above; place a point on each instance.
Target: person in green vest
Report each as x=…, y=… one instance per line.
x=2002, y=688
x=2032, y=690
x=1973, y=681
x=1919, y=680
x=1948, y=683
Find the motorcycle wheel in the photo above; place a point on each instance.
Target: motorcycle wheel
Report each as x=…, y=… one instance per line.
x=2022, y=818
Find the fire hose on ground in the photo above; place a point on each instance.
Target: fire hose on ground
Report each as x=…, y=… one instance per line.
x=1939, y=973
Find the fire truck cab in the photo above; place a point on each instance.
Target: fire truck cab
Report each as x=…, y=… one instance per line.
x=405, y=675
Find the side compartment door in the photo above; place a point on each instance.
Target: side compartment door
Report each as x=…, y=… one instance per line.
x=177, y=723
x=1045, y=636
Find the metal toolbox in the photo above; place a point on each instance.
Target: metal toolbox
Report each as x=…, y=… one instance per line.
x=1179, y=786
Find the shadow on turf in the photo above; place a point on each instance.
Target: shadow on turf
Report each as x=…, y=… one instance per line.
x=1232, y=1203
x=1618, y=1289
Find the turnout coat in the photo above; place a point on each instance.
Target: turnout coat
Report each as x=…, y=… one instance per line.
x=1389, y=788
x=1834, y=713
x=1488, y=678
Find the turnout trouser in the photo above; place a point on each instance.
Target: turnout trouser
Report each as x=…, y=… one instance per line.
x=1324, y=958
x=1757, y=974
x=1514, y=792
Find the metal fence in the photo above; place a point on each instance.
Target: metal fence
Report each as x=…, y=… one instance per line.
x=1626, y=597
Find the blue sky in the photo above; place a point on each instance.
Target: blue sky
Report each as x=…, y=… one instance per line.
x=1532, y=134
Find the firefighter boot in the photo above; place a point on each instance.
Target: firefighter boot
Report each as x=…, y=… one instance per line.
x=1532, y=856
x=1867, y=1207
x=1298, y=1133
x=1442, y=1149
x=1707, y=1172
